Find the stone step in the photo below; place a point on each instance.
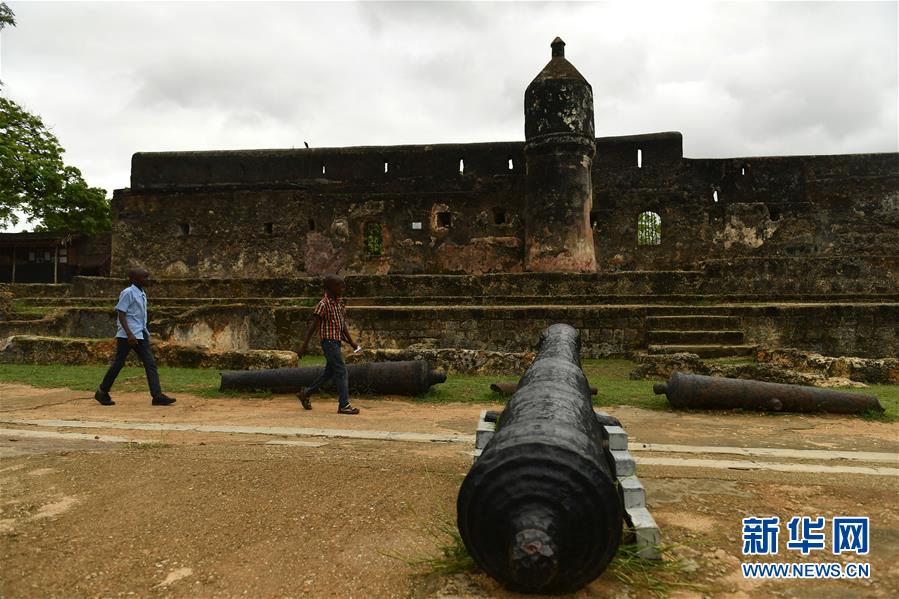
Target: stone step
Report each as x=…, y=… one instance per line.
x=673, y=300
x=675, y=337
x=705, y=351
x=692, y=322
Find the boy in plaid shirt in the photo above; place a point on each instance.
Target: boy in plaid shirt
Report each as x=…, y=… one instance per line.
x=329, y=319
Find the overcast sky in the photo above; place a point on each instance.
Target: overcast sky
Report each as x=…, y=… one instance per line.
x=738, y=78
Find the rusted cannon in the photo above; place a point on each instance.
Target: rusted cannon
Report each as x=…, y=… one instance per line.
x=389, y=378
x=539, y=510
x=509, y=387
x=718, y=393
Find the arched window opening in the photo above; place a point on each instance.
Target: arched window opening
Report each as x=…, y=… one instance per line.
x=374, y=243
x=649, y=229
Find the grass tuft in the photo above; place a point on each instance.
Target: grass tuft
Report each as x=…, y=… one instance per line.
x=657, y=577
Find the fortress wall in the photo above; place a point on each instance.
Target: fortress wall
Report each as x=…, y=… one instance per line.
x=766, y=208
x=273, y=213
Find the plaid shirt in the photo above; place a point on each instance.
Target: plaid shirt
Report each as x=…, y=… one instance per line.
x=333, y=318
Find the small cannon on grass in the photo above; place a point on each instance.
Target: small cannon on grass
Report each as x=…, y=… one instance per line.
x=693, y=391
x=390, y=378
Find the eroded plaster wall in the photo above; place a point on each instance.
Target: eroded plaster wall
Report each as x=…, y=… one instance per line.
x=458, y=208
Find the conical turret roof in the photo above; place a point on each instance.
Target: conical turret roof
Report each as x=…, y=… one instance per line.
x=558, y=67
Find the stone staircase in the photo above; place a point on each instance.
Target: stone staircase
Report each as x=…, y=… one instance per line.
x=707, y=335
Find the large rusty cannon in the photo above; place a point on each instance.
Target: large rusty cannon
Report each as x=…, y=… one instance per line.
x=539, y=510
x=390, y=378
x=718, y=393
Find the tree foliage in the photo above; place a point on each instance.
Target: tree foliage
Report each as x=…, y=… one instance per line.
x=35, y=181
x=6, y=16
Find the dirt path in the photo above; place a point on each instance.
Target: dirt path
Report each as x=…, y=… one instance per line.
x=228, y=515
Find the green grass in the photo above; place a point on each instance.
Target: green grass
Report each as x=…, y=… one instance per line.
x=657, y=577
x=610, y=376
x=654, y=577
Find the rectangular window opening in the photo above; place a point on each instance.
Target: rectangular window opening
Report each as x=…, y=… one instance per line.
x=511, y=165
x=269, y=228
x=323, y=168
x=444, y=219
x=461, y=166
x=500, y=217
x=715, y=195
x=184, y=229
x=639, y=158
x=311, y=224
x=386, y=167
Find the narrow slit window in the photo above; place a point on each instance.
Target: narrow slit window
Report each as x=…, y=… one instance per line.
x=374, y=243
x=743, y=171
x=649, y=229
x=311, y=224
x=323, y=168
x=184, y=229
x=269, y=228
x=715, y=195
x=461, y=166
x=594, y=220
x=639, y=158
x=511, y=165
x=386, y=167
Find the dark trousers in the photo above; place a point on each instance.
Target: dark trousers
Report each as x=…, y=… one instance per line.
x=335, y=369
x=145, y=353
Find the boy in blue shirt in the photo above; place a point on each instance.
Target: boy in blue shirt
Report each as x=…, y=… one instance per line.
x=132, y=333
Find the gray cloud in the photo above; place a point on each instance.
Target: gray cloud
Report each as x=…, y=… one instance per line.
x=736, y=78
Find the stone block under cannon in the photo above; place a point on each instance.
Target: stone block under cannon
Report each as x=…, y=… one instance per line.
x=693, y=391
x=413, y=377
x=540, y=510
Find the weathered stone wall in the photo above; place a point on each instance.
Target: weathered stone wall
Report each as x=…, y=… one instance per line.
x=835, y=207
x=283, y=213
x=868, y=330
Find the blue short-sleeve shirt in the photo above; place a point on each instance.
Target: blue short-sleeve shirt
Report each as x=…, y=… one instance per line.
x=133, y=302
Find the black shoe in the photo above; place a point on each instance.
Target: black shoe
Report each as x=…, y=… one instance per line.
x=348, y=409
x=304, y=399
x=104, y=398
x=163, y=400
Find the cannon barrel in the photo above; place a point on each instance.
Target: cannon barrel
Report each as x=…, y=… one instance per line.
x=509, y=387
x=392, y=378
x=718, y=393
x=539, y=510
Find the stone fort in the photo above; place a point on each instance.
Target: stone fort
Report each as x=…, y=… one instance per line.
x=482, y=245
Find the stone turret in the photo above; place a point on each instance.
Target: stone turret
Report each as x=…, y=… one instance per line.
x=559, y=148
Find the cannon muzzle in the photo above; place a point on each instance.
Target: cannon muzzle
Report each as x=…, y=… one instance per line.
x=718, y=393
x=390, y=378
x=539, y=511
